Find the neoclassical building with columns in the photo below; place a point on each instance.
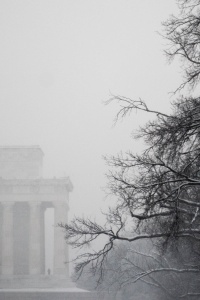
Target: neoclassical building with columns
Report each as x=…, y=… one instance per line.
x=24, y=197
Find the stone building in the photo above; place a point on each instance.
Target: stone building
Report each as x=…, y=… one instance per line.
x=24, y=197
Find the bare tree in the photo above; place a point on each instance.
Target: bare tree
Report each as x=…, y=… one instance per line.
x=183, y=35
x=156, y=193
x=129, y=269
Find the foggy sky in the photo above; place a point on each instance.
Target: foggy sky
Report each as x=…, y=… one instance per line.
x=59, y=60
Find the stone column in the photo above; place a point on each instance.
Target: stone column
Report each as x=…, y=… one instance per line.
x=42, y=240
x=61, y=255
x=34, y=239
x=7, y=238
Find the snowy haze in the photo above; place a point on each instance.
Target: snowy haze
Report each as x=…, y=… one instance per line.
x=59, y=61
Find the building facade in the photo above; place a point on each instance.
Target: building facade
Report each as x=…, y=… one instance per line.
x=24, y=197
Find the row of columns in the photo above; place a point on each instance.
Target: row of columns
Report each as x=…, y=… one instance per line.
x=35, y=255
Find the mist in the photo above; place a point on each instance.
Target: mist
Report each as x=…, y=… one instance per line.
x=59, y=62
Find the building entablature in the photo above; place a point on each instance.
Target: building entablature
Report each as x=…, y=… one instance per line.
x=44, y=190
x=65, y=182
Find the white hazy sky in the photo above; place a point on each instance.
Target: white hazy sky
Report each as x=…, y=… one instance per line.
x=59, y=60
